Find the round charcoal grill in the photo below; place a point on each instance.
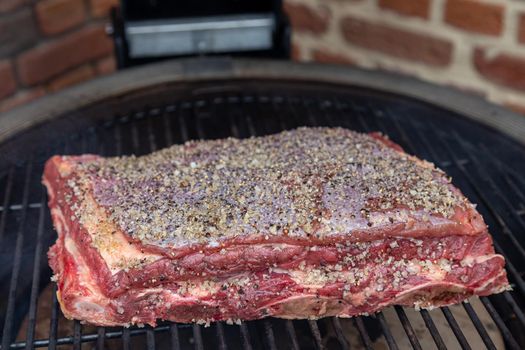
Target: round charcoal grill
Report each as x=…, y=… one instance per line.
x=480, y=145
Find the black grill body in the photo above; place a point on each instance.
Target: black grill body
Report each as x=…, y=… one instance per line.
x=142, y=110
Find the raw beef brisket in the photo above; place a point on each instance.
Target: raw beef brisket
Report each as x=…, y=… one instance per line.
x=307, y=223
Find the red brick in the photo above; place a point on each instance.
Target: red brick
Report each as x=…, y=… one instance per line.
x=324, y=56
x=503, y=69
x=521, y=29
x=308, y=19
x=20, y=98
x=475, y=16
x=7, y=79
x=416, y=8
x=57, y=16
x=106, y=65
x=72, y=77
x=397, y=42
x=17, y=32
x=47, y=60
x=10, y=5
x=100, y=8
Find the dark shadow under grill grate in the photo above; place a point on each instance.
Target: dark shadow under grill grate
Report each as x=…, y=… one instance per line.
x=486, y=165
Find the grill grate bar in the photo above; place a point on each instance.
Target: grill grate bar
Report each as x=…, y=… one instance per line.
x=270, y=337
x=515, y=307
x=101, y=333
x=386, y=331
x=220, y=335
x=251, y=127
x=197, y=336
x=405, y=322
x=233, y=127
x=118, y=140
x=7, y=198
x=77, y=334
x=339, y=333
x=168, y=134
x=182, y=126
x=36, y=275
x=433, y=330
x=53, y=322
x=507, y=335
x=150, y=339
x=316, y=333
x=174, y=337
x=245, y=336
x=135, y=137
x=198, y=126
x=290, y=329
x=455, y=328
x=479, y=326
x=365, y=338
x=151, y=136
x=8, y=325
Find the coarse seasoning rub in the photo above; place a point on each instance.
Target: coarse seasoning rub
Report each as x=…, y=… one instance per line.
x=306, y=223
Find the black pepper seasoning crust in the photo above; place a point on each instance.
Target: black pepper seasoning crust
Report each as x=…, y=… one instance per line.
x=308, y=181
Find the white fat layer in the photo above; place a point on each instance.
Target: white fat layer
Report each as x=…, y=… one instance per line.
x=59, y=220
x=50, y=189
x=435, y=272
x=474, y=260
x=84, y=275
x=88, y=307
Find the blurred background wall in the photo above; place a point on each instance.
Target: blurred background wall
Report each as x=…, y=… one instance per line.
x=475, y=45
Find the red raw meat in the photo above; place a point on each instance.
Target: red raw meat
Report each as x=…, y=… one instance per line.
x=307, y=223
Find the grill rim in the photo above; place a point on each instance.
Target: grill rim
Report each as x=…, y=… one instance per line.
x=53, y=106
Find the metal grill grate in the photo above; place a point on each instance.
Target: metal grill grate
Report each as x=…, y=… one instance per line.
x=483, y=163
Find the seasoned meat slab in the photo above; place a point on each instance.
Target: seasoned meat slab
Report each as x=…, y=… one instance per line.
x=306, y=223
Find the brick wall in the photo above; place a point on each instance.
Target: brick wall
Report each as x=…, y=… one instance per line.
x=476, y=45
x=48, y=45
